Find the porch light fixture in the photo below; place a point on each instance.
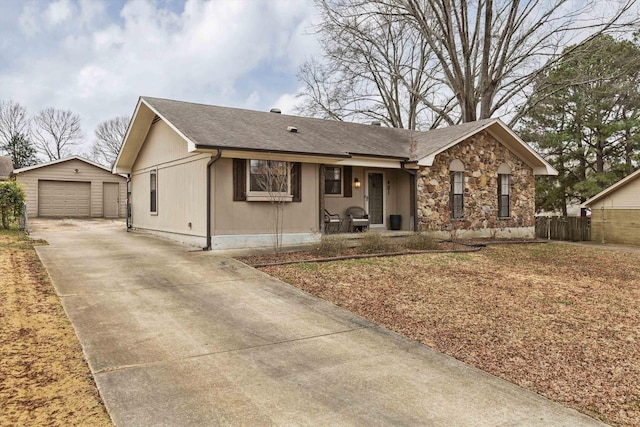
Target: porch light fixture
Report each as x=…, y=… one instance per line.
x=356, y=182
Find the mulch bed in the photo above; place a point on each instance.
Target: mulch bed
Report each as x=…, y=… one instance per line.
x=293, y=257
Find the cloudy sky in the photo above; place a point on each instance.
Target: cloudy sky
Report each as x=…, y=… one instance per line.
x=95, y=57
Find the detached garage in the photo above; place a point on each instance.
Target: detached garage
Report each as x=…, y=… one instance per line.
x=73, y=187
x=615, y=212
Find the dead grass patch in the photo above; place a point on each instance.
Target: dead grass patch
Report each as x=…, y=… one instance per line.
x=560, y=320
x=44, y=379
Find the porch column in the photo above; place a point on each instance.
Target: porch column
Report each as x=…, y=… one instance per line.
x=321, y=199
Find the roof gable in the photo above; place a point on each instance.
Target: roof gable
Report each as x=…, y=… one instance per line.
x=430, y=144
x=207, y=128
x=612, y=188
x=54, y=162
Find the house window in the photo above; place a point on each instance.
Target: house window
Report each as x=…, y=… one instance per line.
x=269, y=179
x=333, y=180
x=153, y=187
x=457, y=189
x=504, y=193
x=457, y=195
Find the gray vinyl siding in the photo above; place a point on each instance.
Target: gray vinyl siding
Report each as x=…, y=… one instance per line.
x=181, y=185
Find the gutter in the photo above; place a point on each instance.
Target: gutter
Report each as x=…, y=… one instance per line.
x=209, y=164
x=271, y=151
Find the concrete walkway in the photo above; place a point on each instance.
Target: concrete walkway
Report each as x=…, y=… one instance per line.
x=628, y=249
x=180, y=338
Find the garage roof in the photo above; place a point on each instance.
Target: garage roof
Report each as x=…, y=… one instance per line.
x=53, y=162
x=613, y=188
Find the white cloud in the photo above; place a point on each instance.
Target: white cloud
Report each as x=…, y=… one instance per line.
x=28, y=20
x=287, y=103
x=96, y=60
x=58, y=12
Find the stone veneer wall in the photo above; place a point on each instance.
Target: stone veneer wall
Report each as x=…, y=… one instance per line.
x=481, y=154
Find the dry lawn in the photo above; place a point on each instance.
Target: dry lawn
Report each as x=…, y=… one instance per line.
x=44, y=379
x=560, y=320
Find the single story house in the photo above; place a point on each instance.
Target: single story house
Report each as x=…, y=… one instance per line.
x=615, y=212
x=73, y=187
x=195, y=173
x=6, y=167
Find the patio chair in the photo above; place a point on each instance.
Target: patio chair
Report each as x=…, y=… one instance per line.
x=332, y=220
x=358, y=219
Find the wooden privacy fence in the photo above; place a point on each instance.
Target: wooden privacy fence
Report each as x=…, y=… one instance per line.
x=574, y=229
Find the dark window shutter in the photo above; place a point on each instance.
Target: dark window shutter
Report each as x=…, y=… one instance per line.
x=239, y=180
x=347, y=190
x=296, y=182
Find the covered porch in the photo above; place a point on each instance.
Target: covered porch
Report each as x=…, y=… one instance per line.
x=385, y=196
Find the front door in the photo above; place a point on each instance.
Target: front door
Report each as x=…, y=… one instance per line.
x=375, y=198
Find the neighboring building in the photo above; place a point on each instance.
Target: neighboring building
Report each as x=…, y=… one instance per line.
x=73, y=187
x=194, y=170
x=615, y=212
x=6, y=167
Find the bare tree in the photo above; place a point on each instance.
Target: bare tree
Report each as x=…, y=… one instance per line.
x=377, y=67
x=273, y=178
x=14, y=122
x=56, y=133
x=15, y=138
x=109, y=137
x=483, y=56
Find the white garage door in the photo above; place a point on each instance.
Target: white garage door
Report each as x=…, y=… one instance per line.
x=62, y=198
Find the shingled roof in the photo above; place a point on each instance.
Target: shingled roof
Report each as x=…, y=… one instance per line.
x=232, y=128
x=213, y=127
x=6, y=167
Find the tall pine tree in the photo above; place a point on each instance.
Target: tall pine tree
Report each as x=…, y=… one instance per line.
x=21, y=151
x=584, y=115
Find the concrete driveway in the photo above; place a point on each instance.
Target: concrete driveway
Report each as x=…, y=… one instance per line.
x=180, y=337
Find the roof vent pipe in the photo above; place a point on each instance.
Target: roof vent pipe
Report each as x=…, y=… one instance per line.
x=292, y=129
x=275, y=110
x=376, y=123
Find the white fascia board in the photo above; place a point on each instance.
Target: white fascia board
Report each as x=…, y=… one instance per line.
x=116, y=168
x=428, y=160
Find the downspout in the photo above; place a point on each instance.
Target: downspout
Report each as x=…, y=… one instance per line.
x=128, y=192
x=414, y=206
x=209, y=164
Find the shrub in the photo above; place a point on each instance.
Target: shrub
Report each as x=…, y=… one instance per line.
x=329, y=247
x=373, y=243
x=421, y=242
x=11, y=200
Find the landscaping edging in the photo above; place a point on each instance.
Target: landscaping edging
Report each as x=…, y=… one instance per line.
x=361, y=256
